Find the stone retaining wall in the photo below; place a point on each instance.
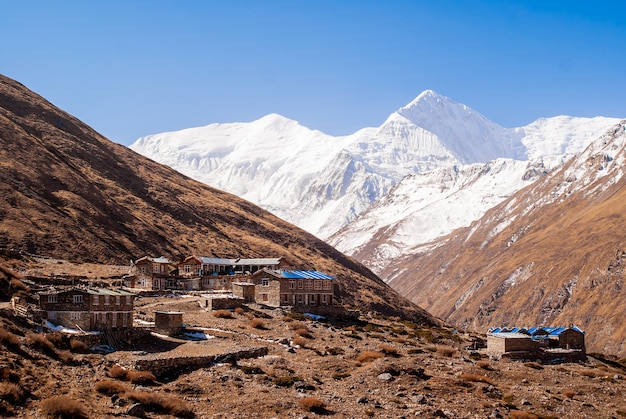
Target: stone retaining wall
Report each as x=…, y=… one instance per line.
x=170, y=368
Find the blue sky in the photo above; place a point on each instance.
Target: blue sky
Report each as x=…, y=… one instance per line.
x=133, y=68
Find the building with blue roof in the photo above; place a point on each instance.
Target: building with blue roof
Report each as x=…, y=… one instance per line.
x=535, y=339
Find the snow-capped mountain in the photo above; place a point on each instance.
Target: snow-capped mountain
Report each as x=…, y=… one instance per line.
x=322, y=183
x=552, y=253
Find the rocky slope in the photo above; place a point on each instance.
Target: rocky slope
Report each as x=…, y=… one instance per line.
x=72, y=194
x=552, y=253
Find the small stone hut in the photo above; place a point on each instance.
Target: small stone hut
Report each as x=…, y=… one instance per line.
x=168, y=322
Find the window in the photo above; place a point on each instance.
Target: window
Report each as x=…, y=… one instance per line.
x=128, y=299
x=285, y=298
x=106, y=300
x=156, y=283
x=265, y=296
x=324, y=299
x=96, y=300
x=299, y=298
x=118, y=300
x=74, y=316
x=292, y=285
x=53, y=298
x=318, y=284
x=300, y=283
x=78, y=299
x=312, y=299
x=143, y=269
x=327, y=284
x=265, y=282
x=187, y=268
x=156, y=268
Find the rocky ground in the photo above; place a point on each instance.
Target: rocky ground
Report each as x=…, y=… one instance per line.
x=375, y=367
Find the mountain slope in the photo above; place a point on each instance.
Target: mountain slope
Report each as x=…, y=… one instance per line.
x=70, y=193
x=553, y=253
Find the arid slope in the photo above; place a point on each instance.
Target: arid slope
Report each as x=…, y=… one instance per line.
x=552, y=254
x=70, y=193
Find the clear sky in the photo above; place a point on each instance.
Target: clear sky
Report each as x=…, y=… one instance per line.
x=132, y=68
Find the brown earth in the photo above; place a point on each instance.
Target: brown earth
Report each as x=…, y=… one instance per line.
x=376, y=367
x=69, y=193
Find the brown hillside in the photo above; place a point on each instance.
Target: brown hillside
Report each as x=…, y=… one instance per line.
x=70, y=193
x=553, y=254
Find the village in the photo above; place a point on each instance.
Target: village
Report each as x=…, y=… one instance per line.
x=256, y=325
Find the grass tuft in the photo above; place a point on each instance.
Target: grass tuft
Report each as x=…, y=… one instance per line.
x=223, y=314
x=63, y=407
x=312, y=404
x=368, y=356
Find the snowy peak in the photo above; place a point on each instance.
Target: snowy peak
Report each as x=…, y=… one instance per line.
x=468, y=135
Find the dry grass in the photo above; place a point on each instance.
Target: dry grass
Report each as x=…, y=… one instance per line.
x=63, y=407
x=17, y=285
x=161, y=403
x=447, y=351
x=117, y=372
x=39, y=342
x=140, y=377
x=78, y=346
x=369, y=356
x=312, y=404
x=592, y=373
x=297, y=325
x=240, y=310
x=304, y=332
x=388, y=350
x=476, y=378
x=110, y=387
x=257, y=323
x=485, y=365
x=223, y=314
x=534, y=365
x=569, y=393
x=65, y=357
x=300, y=341
x=11, y=392
x=8, y=339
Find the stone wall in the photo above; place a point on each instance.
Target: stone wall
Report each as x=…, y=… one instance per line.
x=170, y=368
x=225, y=303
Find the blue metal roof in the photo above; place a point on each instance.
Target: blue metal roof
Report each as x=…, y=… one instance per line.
x=305, y=275
x=216, y=261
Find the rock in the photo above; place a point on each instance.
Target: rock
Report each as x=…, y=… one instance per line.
x=526, y=402
x=419, y=399
x=362, y=400
x=439, y=414
x=385, y=377
x=114, y=398
x=136, y=410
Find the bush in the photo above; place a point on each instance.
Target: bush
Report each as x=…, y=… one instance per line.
x=117, y=372
x=304, y=332
x=335, y=351
x=56, y=339
x=257, y=324
x=389, y=350
x=110, y=387
x=8, y=339
x=295, y=325
x=534, y=365
x=368, y=356
x=223, y=314
x=140, y=377
x=11, y=392
x=569, y=393
x=447, y=351
x=475, y=378
x=519, y=414
x=240, y=310
x=300, y=341
x=286, y=381
x=161, y=403
x=65, y=357
x=39, y=342
x=312, y=404
x=484, y=365
x=63, y=407
x=78, y=346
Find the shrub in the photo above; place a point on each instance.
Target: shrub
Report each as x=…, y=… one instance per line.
x=161, y=403
x=475, y=378
x=240, y=310
x=295, y=325
x=484, y=365
x=340, y=375
x=590, y=373
x=247, y=369
x=286, y=381
x=335, y=351
x=56, y=339
x=9, y=339
x=140, y=377
x=110, y=387
x=389, y=350
x=534, y=365
x=447, y=351
x=569, y=393
x=300, y=341
x=65, y=357
x=11, y=392
x=78, y=346
x=257, y=324
x=223, y=314
x=368, y=356
x=312, y=404
x=39, y=342
x=304, y=332
x=63, y=407
x=118, y=372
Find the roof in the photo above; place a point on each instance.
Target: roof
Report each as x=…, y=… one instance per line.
x=217, y=261
x=304, y=275
x=533, y=331
x=258, y=261
x=98, y=291
x=153, y=260
x=510, y=335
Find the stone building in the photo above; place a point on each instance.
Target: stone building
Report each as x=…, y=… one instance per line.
x=168, y=322
x=88, y=309
x=153, y=273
